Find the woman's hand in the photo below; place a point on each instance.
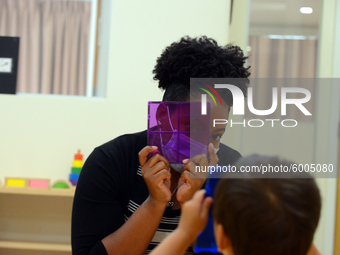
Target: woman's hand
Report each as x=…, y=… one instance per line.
x=192, y=180
x=156, y=174
x=195, y=214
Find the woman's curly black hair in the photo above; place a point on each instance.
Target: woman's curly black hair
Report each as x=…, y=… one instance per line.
x=198, y=58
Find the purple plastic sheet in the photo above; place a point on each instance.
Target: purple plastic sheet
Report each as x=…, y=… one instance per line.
x=178, y=129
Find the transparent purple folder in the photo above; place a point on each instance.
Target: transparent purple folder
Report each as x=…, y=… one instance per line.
x=178, y=129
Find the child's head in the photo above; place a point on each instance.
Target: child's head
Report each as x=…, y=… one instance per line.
x=266, y=216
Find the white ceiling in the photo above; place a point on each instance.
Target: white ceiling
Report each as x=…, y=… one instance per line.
x=284, y=13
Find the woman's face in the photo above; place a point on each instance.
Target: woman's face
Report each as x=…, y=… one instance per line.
x=216, y=112
x=187, y=123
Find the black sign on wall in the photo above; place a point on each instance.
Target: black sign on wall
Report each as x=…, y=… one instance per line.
x=9, y=53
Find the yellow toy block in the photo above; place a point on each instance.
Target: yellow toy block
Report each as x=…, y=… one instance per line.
x=16, y=182
x=78, y=163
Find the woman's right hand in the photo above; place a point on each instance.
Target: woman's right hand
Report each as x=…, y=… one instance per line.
x=156, y=174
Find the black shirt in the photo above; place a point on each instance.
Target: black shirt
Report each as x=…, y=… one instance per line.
x=111, y=187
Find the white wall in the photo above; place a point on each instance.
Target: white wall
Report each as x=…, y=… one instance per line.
x=238, y=35
x=40, y=134
x=327, y=139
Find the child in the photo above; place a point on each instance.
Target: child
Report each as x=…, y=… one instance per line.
x=252, y=215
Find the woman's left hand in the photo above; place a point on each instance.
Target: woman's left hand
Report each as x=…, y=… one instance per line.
x=192, y=180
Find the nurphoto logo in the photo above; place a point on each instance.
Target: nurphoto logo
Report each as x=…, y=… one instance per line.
x=239, y=105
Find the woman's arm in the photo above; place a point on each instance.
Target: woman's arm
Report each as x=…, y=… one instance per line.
x=98, y=225
x=193, y=220
x=136, y=233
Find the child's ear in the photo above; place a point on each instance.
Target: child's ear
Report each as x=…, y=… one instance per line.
x=222, y=240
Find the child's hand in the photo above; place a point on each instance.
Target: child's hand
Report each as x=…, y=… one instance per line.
x=195, y=214
x=193, y=220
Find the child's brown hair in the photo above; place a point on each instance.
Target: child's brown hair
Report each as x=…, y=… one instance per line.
x=268, y=216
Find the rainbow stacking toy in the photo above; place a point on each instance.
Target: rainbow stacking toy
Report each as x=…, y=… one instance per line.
x=76, y=168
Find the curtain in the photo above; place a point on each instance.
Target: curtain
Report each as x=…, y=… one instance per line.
x=54, y=41
x=281, y=58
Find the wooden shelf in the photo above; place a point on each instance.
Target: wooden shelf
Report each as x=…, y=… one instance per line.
x=35, y=221
x=35, y=246
x=38, y=192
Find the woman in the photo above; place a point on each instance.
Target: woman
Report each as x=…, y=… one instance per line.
x=122, y=196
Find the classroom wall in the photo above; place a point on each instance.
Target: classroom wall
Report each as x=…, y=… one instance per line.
x=40, y=134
